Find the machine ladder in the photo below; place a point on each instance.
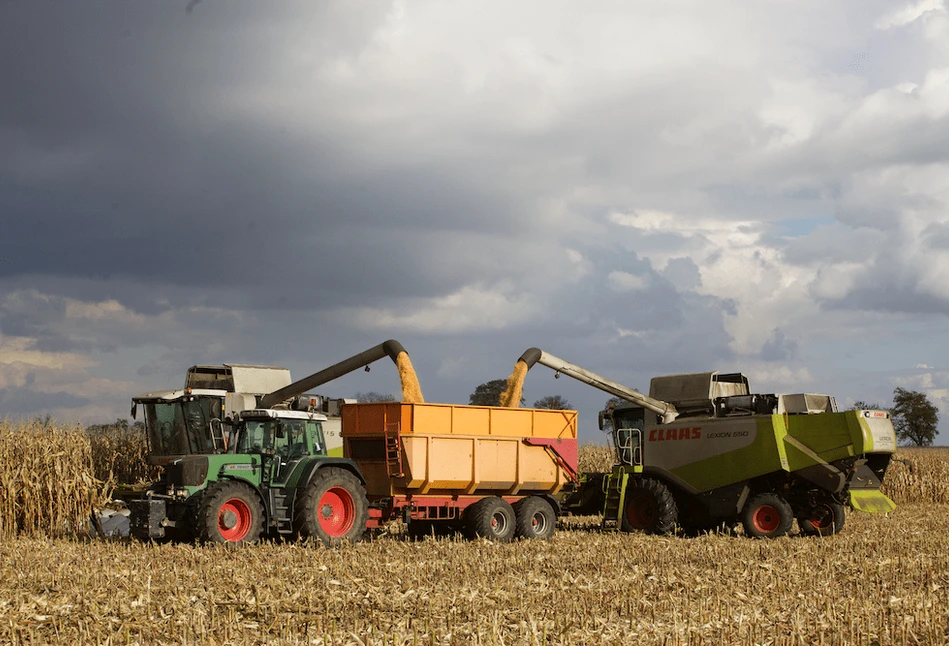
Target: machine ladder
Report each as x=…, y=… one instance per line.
x=614, y=486
x=393, y=451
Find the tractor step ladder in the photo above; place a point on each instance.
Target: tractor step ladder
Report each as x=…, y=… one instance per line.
x=393, y=450
x=614, y=486
x=280, y=517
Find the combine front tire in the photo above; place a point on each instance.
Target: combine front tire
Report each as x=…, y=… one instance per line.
x=767, y=515
x=491, y=518
x=534, y=518
x=333, y=508
x=825, y=519
x=230, y=512
x=650, y=507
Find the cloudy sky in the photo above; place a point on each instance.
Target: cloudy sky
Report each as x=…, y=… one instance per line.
x=641, y=188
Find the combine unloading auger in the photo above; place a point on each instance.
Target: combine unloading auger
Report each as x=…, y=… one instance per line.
x=411, y=391
x=512, y=396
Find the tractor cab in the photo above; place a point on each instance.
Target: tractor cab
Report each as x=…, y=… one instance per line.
x=282, y=437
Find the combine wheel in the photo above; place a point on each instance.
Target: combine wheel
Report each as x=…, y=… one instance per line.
x=825, y=519
x=491, y=518
x=534, y=518
x=230, y=512
x=333, y=508
x=650, y=507
x=767, y=515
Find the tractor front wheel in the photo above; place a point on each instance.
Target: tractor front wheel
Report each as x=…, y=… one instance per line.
x=650, y=507
x=333, y=508
x=230, y=512
x=825, y=519
x=767, y=515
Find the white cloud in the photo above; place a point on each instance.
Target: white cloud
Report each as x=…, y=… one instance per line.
x=470, y=309
x=621, y=281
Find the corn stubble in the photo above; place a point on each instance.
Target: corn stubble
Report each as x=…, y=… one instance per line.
x=883, y=580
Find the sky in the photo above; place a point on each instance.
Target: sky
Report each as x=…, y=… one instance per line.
x=639, y=188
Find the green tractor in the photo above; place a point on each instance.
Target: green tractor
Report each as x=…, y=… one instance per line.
x=275, y=479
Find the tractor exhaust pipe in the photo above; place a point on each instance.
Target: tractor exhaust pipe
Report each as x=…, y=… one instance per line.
x=532, y=356
x=411, y=391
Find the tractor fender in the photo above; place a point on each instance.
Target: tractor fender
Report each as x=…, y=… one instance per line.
x=316, y=465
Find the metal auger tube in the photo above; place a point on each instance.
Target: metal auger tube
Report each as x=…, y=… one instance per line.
x=666, y=410
x=391, y=348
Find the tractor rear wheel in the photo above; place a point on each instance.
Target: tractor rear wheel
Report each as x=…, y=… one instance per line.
x=534, y=518
x=491, y=518
x=767, y=515
x=230, y=512
x=333, y=508
x=650, y=507
x=825, y=519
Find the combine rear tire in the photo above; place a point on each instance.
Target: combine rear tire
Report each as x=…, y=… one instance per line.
x=535, y=518
x=826, y=519
x=767, y=515
x=650, y=507
x=230, y=512
x=333, y=508
x=491, y=518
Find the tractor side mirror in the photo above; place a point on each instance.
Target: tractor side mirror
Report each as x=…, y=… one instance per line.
x=599, y=420
x=134, y=410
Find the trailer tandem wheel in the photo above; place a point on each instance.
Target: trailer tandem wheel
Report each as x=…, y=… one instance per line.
x=650, y=507
x=491, y=518
x=767, y=515
x=534, y=518
x=230, y=512
x=333, y=508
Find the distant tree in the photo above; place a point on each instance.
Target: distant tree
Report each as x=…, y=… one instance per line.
x=914, y=417
x=553, y=402
x=373, y=396
x=607, y=424
x=489, y=393
x=862, y=405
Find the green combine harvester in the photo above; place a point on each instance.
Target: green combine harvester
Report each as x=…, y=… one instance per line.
x=703, y=452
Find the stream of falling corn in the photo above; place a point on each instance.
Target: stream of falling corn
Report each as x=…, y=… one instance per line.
x=411, y=391
x=511, y=397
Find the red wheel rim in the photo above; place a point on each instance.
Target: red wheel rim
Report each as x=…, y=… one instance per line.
x=766, y=518
x=336, y=511
x=822, y=518
x=641, y=510
x=234, y=520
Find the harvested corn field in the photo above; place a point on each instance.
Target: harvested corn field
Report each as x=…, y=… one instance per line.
x=884, y=580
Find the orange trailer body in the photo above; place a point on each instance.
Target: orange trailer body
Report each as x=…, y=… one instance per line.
x=460, y=453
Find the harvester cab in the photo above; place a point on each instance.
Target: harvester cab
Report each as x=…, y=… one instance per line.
x=199, y=419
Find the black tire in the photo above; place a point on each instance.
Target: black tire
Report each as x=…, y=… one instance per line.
x=650, y=507
x=491, y=518
x=767, y=515
x=825, y=519
x=534, y=517
x=230, y=512
x=333, y=508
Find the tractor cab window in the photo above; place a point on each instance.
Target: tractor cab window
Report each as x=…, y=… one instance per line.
x=253, y=437
x=290, y=439
x=315, y=431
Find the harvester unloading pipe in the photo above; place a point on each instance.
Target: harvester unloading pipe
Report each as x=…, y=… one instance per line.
x=411, y=391
x=511, y=396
